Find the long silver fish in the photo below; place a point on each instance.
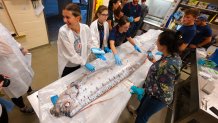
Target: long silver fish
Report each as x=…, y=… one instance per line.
x=82, y=92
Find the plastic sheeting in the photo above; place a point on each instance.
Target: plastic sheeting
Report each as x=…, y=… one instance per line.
x=110, y=105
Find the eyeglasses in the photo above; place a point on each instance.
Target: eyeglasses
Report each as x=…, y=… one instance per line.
x=104, y=14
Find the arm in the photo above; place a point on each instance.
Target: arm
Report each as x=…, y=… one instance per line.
x=95, y=35
x=183, y=47
x=137, y=19
x=139, y=13
x=110, y=19
x=113, y=48
x=187, y=37
x=131, y=41
x=206, y=41
x=110, y=25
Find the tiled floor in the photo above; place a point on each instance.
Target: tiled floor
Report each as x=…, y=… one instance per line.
x=44, y=63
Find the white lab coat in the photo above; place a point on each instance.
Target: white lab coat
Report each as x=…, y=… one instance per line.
x=95, y=33
x=14, y=65
x=66, y=51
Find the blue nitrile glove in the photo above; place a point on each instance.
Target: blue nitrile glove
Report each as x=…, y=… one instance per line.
x=137, y=48
x=54, y=99
x=107, y=50
x=117, y=59
x=130, y=19
x=90, y=67
x=100, y=56
x=150, y=55
x=159, y=53
x=97, y=51
x=138, y=91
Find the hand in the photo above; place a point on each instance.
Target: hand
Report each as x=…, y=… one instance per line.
x=117, y=60
x=90, y=67
x=130, y=19
x=97, y=51
x=24, y=51
x=137, y=48
x=150, y=57
x=192, y=46
x=138, y=91
x=107, y=50
x=100, y=56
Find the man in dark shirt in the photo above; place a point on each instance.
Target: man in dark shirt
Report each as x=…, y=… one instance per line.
x=133, y=11
x=203, y=34
x=188, y=28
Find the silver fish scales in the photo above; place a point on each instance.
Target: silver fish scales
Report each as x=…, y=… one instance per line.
x=82, y=92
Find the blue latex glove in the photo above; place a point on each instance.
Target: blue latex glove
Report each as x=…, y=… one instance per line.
x=137, y=48
x=138, y=91
x=54, y=99
x=100, y=56
x=150, y=55
x=90, y=67
x=159, y=53
x=107, y=50
x=97, y=51
x=117, y=59
x=130, y=19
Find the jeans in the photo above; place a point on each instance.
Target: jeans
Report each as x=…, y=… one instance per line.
x=148, y=106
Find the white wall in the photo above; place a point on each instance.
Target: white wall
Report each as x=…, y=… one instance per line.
x=26, y=22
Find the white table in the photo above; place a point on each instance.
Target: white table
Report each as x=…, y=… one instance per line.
x=109, y=106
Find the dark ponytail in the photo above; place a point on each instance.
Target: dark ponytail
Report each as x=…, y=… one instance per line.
x=111, y=2
x=172, y=40
x=123, y=20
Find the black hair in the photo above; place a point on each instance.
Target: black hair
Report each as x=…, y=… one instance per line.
x=123, y=20
x=74, y=8
x=111, y=2
x=171, y=39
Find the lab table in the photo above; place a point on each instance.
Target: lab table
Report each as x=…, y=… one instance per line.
x=192, y=102
x=110, y=105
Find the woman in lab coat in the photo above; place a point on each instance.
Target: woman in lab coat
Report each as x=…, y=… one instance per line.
x=14, y=65
x=74, y=42
x=118, y=35
x=100, y=29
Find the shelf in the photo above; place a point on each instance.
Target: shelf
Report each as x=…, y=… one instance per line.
x=198, y=8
